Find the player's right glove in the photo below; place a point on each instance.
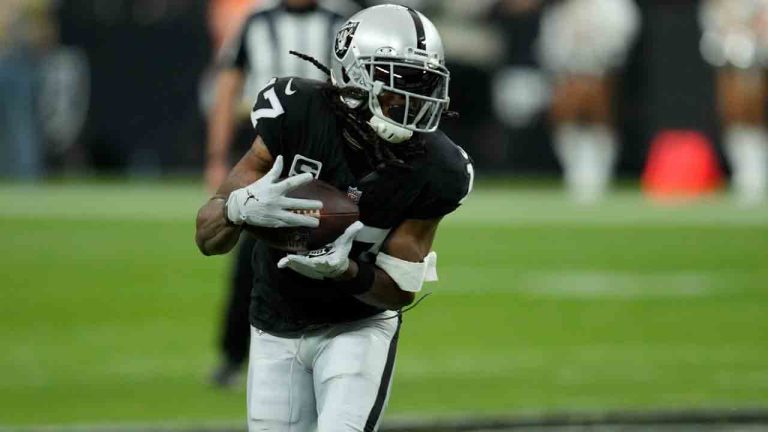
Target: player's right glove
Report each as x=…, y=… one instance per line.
x=328, y=262
x=264, y=204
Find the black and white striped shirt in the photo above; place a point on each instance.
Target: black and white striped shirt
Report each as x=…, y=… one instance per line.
x=261, y=50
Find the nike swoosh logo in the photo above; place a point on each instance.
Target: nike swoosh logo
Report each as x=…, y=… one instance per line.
x=288, y=90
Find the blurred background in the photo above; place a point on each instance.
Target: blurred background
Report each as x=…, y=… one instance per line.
x=612, y=258
x=124, y=87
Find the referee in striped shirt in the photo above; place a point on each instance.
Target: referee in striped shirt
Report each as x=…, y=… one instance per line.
x=259, y=53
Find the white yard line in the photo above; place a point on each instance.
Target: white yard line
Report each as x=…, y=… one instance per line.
x=586, y=363
x=602, y=284
x=588, y=285
x=146, y=202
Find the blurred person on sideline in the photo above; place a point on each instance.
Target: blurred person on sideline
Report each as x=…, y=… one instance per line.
x=472, y=49
x=258, y=53
x=735, y=41
x=582, y=44
x=521, y=89
x=25, y=30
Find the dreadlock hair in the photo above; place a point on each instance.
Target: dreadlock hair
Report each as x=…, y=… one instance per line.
x=312, y=60
x=356, y=131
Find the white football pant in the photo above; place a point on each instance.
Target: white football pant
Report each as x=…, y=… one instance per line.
x=587, y=154
x=336, y=379
x=746, y=148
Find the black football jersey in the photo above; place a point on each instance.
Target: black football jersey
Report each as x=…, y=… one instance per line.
x=295, y=119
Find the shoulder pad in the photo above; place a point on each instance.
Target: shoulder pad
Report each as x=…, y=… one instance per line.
x=283, y=108
x=450, y=177
x=283, y=96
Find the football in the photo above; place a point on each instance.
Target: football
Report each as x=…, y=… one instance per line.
x=338, y=213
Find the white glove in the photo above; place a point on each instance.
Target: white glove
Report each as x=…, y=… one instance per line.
x=264, y=204
x=328, y=262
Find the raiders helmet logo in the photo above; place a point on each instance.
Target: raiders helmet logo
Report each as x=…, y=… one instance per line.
x=344, y=39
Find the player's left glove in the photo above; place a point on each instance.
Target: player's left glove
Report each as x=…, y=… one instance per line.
x=325, y=263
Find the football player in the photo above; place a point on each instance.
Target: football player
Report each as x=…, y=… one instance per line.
x=325, y=326
x=735, y=40
x=582, y=43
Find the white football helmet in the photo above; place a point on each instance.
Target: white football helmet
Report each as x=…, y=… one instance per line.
x=395, y=49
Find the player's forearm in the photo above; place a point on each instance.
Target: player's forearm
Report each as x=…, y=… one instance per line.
x=214, y=236
x=410, y=242
x=384, y=293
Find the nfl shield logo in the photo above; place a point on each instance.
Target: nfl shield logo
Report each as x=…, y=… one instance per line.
x=354, y=194
x=344, y=39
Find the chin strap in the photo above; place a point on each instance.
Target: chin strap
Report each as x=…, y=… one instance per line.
x=390, y=132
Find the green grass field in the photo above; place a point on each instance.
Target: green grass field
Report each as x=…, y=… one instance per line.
x=109, y=313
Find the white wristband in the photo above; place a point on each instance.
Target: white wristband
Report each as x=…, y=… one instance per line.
x=409, y=276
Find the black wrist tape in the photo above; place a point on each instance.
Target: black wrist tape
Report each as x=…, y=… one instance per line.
x=362, y=282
